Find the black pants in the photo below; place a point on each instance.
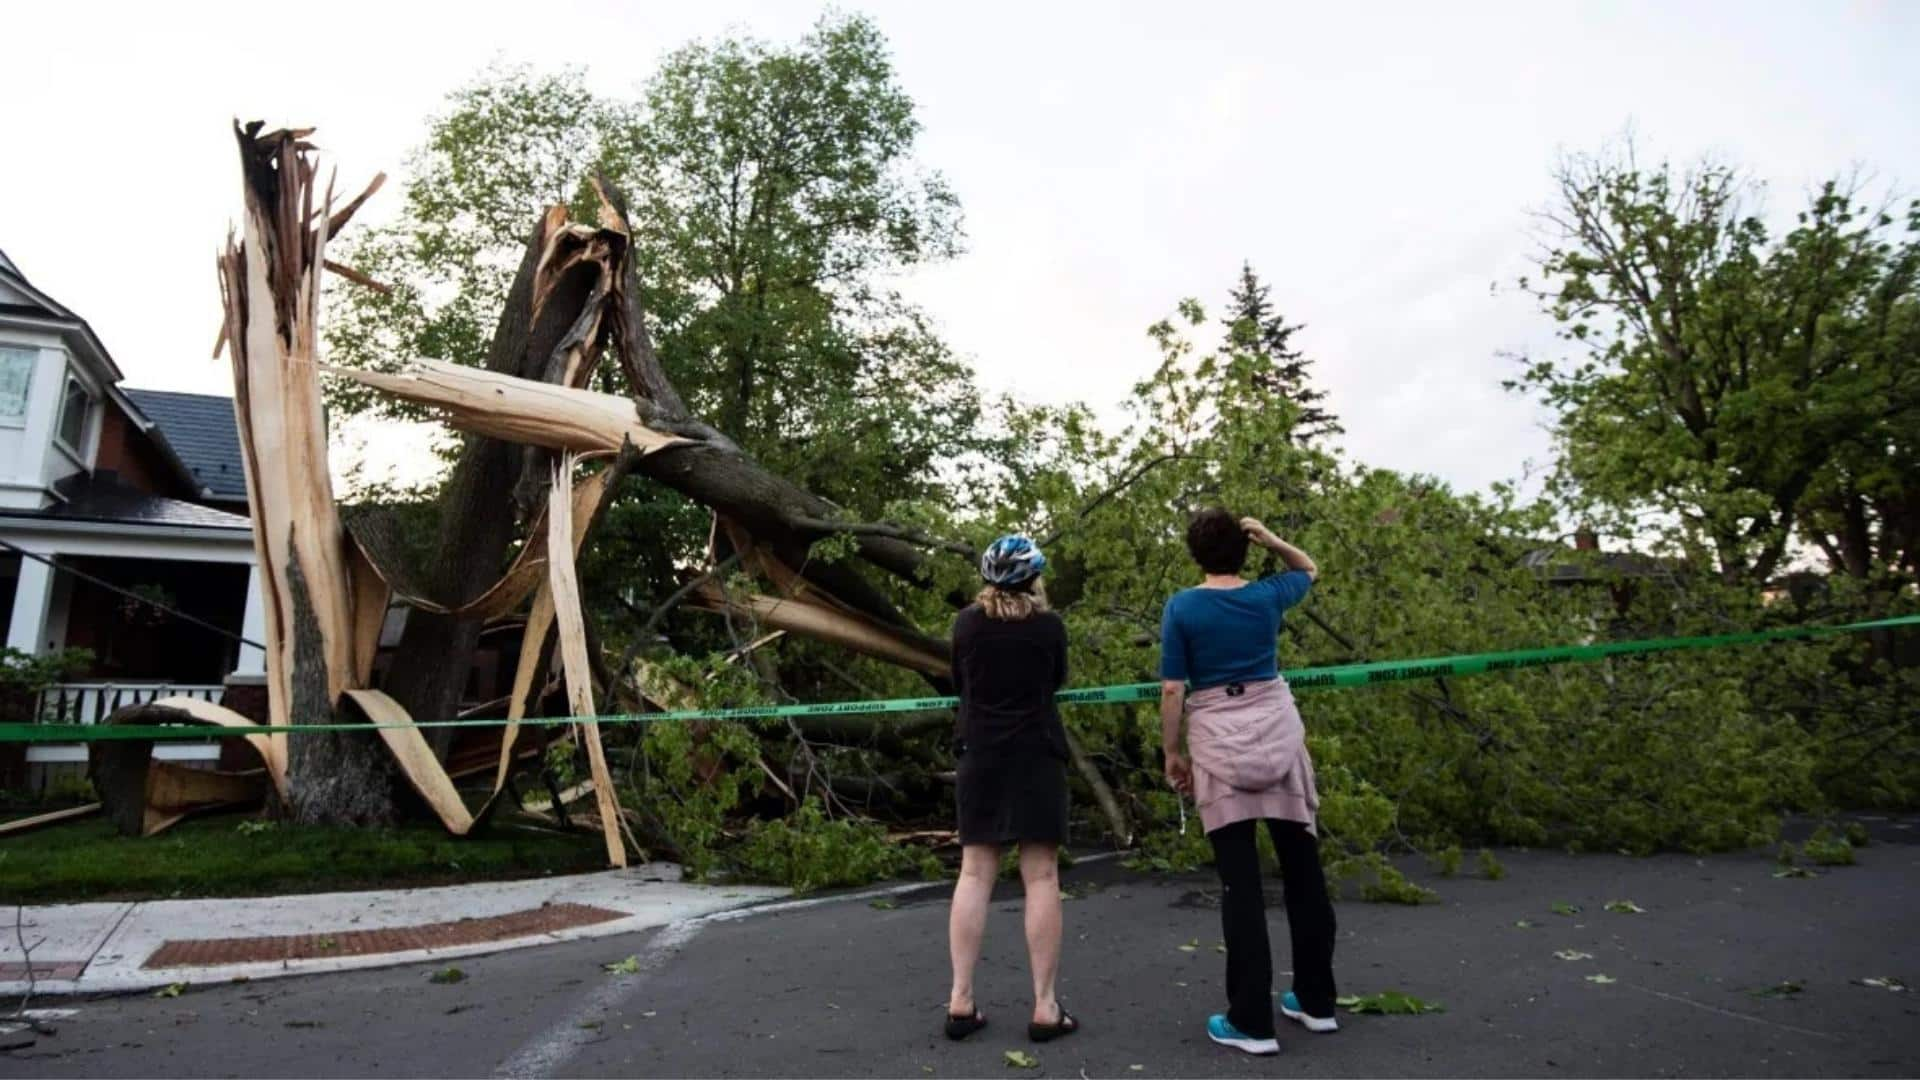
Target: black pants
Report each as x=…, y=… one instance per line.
x=1243, y=917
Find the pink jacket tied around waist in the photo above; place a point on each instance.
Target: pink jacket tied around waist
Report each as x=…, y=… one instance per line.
x=1250, y=756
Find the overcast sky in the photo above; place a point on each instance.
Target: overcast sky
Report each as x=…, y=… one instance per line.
x=1376, y=163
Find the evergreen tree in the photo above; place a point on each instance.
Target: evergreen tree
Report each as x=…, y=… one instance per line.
x=1253, y=326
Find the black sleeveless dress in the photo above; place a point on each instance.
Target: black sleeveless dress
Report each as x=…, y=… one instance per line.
x=1012, y=748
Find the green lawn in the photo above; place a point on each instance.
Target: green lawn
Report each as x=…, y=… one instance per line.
x=232, y=855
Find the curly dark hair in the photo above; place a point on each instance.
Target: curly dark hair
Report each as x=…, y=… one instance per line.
x=1217, y=542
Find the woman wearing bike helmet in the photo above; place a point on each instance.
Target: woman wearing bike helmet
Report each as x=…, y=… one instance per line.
x=1009, y=656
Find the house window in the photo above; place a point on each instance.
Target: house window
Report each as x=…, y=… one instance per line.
x=73, y=415
x=16, y=379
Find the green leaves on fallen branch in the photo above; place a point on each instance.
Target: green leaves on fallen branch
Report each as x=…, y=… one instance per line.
x=1388, y=1003
x=1824, y=848
x=1381, y=882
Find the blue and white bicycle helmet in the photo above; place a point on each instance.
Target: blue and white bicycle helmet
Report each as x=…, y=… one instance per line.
x=1011, y=562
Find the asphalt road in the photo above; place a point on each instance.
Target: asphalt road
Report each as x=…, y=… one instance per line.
x=843, y=988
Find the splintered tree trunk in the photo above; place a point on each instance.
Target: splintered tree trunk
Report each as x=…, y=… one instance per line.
x=270, y=283
x=574, y=300
x=686, y=455
x=435, y=653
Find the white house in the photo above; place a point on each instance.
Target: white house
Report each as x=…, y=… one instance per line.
x=138, y=490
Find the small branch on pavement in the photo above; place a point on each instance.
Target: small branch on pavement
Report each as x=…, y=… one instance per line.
x=26, y=956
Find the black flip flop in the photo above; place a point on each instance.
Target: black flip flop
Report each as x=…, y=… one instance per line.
x=1059, y=1029
x=959, y=1027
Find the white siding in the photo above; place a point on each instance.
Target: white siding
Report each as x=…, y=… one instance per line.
x=62, y=460
x=26, y=457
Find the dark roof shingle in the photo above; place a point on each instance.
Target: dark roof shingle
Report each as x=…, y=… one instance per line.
x=103, y=497
x=202, y=431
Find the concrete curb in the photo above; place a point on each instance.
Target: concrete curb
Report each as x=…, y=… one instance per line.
x=112, y=942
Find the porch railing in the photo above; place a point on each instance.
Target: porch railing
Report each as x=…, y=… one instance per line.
x=90, y=703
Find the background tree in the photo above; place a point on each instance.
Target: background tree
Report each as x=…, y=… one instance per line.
x=1253, y=326
x=779, y=188
x=1738, y=387
x=775, y=190
x=1634, y=754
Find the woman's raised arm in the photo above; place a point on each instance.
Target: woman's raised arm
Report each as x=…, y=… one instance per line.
x=1292, y=556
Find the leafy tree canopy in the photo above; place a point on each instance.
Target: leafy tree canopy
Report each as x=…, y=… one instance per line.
x=1743, y=388
x=775, y=189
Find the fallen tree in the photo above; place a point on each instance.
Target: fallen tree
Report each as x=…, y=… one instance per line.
x=528, y=418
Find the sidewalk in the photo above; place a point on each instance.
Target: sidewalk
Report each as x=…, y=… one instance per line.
x=122, y=947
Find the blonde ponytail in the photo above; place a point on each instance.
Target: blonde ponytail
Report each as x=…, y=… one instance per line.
x=1009, y=605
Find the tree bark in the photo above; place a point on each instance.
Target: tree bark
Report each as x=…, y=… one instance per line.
x=338, y=777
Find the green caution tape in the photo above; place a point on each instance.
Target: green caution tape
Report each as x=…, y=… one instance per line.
x=1304, y=679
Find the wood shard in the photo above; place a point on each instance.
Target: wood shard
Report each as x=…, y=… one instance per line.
x=573, y=651
x=519, y=410
x=847, y=629
x=417, y=762
x=52, y=817
x=207, y=712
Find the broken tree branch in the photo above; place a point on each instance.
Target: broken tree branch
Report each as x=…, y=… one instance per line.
x=518, y=410
x=659, y=615
x=26, y=958
x=572, y=649
x=1097, y=501
x=916, y=537
x=357, y=277
x=1117, y=826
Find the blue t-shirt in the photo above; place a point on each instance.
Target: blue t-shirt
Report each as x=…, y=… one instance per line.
x=1212, y=637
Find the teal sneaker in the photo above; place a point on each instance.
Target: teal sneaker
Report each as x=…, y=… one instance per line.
x=1290, y=1008
x=1227, y=1035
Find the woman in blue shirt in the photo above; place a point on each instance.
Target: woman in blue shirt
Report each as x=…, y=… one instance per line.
x=1246, y=761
